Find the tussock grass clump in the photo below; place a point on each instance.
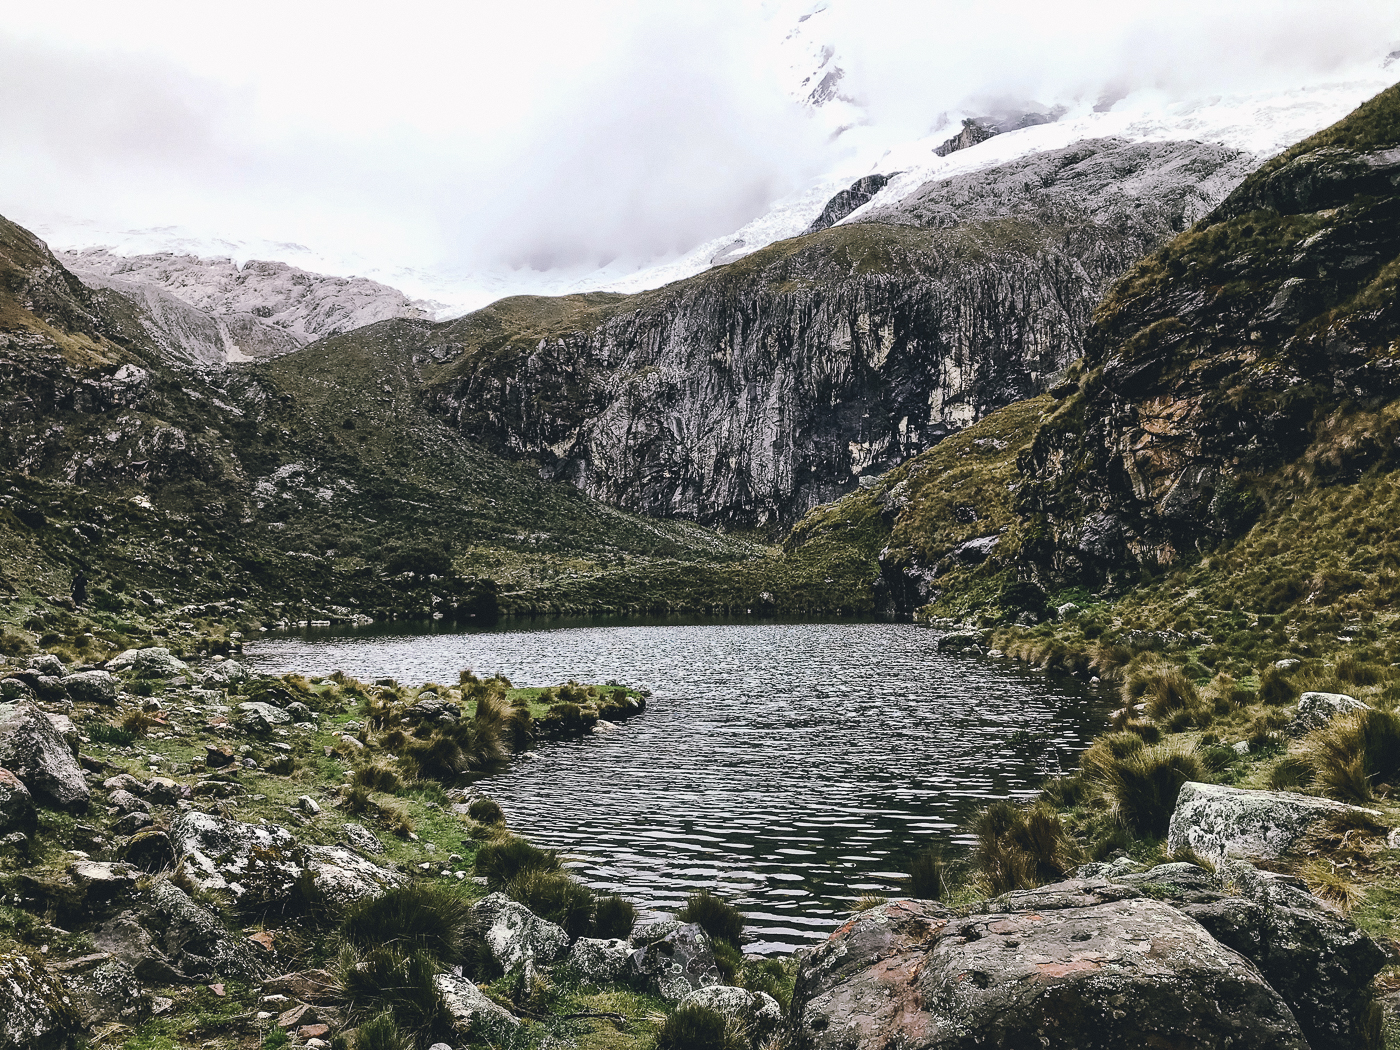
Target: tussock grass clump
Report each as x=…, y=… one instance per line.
x=614, y=916
x=419, y=917
x=1356, y=752
x=696, y=1027
x=501, y=861
x=106, y=733
x=381, y=1033
x=774, y=976
x=1018, y=848
x=1141, y=783
x=554, y=896
x=485, y=810
x=379, y=776
x=383, y=981
x=1276, y=689
x=716, y=916
x=1291, y=773
x=870, y=900
x=1350, y=668
x=928, y=876
x=138, y=723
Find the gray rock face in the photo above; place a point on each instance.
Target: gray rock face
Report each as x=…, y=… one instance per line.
x=150, y=849
x=470, y=1009
x=848, y=200
x=258, y=717
x=1099, y=976
x=1316, y=710
x=600, y=961
x=644, y=933
x=515, y=935
x=32, y=749
x=17, y=812
x=36, y=1011
x=341, y=877
x=196, y=943
x=758, y=1012
x=255, y=864
x=110, y=992
x=677, y=964
x=153, y=662
x=1220, y=822
x=752, y=392
x=92, y=687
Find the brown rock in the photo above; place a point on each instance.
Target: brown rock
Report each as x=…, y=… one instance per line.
x=312, y=986
x=313, y=1031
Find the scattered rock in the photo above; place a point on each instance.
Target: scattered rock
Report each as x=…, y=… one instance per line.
x=1316, y=710
x=155, y=662
x=12, y=689
x=299, y=712
x=677, y=964
x=101, y=882
x=222, y=675
x=110, y=992
x=127, y=802
x=758, y=1012
x=17, y=810
x=32, y=749
x=92, y=687
x=516, y=935
x=600, y=961
x=216, y=757
x=341, y=877
x=164, y=791
x=1217, y=822
x=469, y=1007
x=308, y=805
x=362, y=838
x=257, y=717
x=36, y=1012
x=257, y=864
x=124, y=782
x=312, y=986
x=47, y=664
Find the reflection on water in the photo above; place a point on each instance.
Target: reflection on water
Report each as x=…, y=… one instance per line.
x=794, y=767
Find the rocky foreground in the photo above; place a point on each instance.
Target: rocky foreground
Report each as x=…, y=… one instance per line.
x=197, y=885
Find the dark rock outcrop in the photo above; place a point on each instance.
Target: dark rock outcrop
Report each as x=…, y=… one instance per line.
x=857, y=195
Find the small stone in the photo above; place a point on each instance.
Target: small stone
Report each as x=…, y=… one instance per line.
x=313, y=1031
x=308, y=805
x=217, y=989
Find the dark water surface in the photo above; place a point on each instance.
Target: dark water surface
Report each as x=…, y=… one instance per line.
x=792, y=767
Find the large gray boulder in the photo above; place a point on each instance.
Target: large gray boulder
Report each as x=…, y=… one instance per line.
x=223, y=674
x=1218, y=822
x=36, y=1011
x=258, y=717
x=677, y=964
x=195, y=941
x=92, y=687
x=1316, y=710
x=256, y=864
x=154, y=662
x=33, y=750
x=600, y=961
x=515, y=935
x=470, y=1009
x=17, y=811
x=342, y=877
x=758, y=1012
x=110, y=992
x=1117, y=975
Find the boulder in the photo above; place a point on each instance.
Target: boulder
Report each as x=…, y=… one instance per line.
x=223, y=674
x=197, y=944
x=126, y=939
x=102, y=881
x=17, y=811
x=1117, y=975
x=1316, y=710
x=92, y=687
x=36, y=1011
x=600, y=961
x=470, y=1009
x=758, y=1012
x=258, y=864
x=258, y=717
x=155, y=662
x=110, y=992
x=34, y=751
x=362, y=838
x=1217, y=822
x=516, y=935
x=12, y=689
x=299, y=712
x=216, y=756
x=47, y=664
x=64, y=727
x=126, y=802
x=51, y=689
x=124, y=782
x=677, y=964
x=644, y=933
x=164, y=792
x=150, y=849
x=342, y=877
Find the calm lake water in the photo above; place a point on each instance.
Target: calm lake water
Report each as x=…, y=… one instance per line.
x=792, y=767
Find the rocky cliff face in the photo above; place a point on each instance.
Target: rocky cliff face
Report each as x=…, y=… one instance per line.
x=751, y=393
x=1253, y=353
x=212, y=310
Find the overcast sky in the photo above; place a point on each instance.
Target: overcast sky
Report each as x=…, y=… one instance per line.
x=464, y=134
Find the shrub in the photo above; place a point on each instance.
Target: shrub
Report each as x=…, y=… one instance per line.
x=696, y=1027
x=718, y=918
x=1217, y=757
x=13, y=644
x=380, y=1033
x=356, y=799
x=485, y=810
x=1275, y=688
x=384, y=981
x=1019, y=848
x=1143, y=785
x=1356, y=752
x=614, y=916
x=1115, y=840
x=554, y=896
x=928, y=876
x=421, y=917
x=501, y=861
x=137, y=723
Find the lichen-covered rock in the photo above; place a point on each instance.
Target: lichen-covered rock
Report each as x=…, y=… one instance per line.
x=469, y=1007
x=758, y=1012
x=101, y=881
x=342, y=877
x=600, y=961
x=17, y=810
x=36, y=1011
x=110, y=992
x=516, y=935
x=258, y=717
x=150, y=849
x=362, y=838
x=12, y=689
x=47, y=664
x=258, y=864
x=92, y=687
x=153, y=662
x=33, y=750
x=677, y=964
x=1316, y=710
x=1217, y=822
x=198, y=945
x=644, y=933
x=1113, y=976
x=223, y=674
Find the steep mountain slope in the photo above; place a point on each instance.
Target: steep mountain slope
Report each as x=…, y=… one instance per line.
x=755, y=391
